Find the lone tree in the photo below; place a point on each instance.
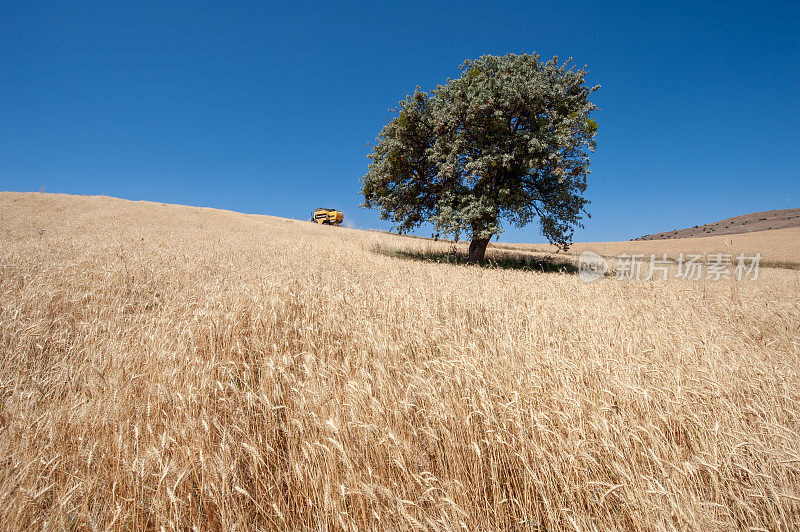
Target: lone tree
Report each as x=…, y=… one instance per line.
x=508, y=140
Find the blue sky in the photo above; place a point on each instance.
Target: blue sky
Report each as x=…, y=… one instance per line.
x=269, y=108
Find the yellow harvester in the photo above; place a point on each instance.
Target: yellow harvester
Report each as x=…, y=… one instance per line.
x=327, y=216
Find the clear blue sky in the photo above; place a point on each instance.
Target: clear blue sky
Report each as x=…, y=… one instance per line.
x=268, y=108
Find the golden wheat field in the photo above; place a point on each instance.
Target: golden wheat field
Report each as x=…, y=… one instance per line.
x=780, y=246
x=169, y=367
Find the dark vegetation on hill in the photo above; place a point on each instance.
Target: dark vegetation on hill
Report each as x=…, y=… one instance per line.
x=747, y=223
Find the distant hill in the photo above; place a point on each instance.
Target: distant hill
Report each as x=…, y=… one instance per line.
x=747, y=223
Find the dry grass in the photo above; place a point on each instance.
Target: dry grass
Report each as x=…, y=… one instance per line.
x=182, y=367
x=745, y=223
x=779, y=246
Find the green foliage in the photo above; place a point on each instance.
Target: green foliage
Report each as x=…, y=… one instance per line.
x=508, y=140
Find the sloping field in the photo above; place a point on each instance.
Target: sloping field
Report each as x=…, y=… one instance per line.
x=177, y=367
x=746, y=223
x=778, y=246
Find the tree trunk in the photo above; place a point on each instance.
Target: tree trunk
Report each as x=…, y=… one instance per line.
x=477, y=249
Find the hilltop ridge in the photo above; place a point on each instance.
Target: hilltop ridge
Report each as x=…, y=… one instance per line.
x=746, y=223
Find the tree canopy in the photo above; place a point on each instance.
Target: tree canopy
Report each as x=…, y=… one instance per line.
x=509, y=139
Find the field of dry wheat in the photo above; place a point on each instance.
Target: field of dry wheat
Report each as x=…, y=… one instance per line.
x=188, y=368
x=781, y=246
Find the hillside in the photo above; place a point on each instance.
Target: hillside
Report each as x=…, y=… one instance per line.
x=747, y=223
x=778, y=247
x=181, y=367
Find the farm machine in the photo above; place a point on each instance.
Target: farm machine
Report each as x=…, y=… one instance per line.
x=327, y=216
